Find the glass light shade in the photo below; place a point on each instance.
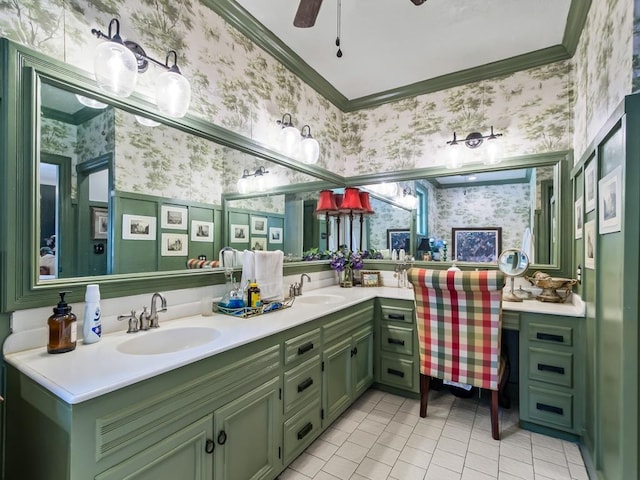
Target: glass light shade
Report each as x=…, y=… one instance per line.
x=454, y=157
x=243, y=185
x=90, y=102
x=493, y=152
x=290, y=141
x=173, y=94
x=309, y=150
x=147, y=122
x=115, y=68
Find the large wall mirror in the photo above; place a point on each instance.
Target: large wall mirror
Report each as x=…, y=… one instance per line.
x=75, y=175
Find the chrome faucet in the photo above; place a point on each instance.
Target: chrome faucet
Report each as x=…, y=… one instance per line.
x=302, y=282
x=133, y=321
x=152, y=317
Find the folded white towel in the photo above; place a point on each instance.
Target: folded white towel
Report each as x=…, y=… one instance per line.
x=248, y=268
x=268, y=274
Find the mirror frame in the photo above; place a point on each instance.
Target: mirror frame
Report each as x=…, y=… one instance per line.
x=23, y=69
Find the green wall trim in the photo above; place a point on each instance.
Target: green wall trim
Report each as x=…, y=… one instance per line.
x=240, y=19
x=77, y=118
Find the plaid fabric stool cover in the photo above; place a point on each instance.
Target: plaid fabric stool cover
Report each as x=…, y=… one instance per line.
x=459, y=320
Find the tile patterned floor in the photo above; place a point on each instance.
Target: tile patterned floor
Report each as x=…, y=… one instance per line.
x=382, y=437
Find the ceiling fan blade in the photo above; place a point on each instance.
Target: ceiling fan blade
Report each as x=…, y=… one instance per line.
x=418, y=2
x=307, y=13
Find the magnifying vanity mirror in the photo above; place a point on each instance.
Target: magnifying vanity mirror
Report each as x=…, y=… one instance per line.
x=513, y=263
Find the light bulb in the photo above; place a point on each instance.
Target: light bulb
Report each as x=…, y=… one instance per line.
x=173, y=94
x=115, y=68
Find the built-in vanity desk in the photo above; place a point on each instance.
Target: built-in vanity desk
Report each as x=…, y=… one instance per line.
x=253, y=393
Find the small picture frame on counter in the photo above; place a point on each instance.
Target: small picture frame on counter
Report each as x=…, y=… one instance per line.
x=370, y=279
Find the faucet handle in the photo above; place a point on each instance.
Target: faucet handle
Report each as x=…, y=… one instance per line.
x=133, y=321
x=144, y=319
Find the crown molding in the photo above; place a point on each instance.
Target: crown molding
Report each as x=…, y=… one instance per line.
x=242, y=20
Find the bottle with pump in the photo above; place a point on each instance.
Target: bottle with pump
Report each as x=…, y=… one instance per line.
x=92, y=327
x=62, y=328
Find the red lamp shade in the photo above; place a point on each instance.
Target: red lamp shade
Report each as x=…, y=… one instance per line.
x=338, y=197
x=366, y=204
x=326, y=202
x=351, y=200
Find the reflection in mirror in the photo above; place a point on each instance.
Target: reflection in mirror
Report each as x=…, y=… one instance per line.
x=116, y=163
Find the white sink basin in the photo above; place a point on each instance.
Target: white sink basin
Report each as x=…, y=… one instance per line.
x=157, y=342
x=320, y=299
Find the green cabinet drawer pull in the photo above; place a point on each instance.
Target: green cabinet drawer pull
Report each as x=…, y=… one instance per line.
x=396, y=316
x=354, y=352
x=550, y=337
x=302, y=349
x=305, y=430
x=550, y=368
x=209, y=446
x=222, y=437
x=302, y=386
x=395, y=372
x=549, y=408
x=395, y=341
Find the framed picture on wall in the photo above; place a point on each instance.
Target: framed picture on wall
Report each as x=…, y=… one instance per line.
x=275, y=235
x=173, y=217
x=398, y=239
x=590, y=185
x=239, y=233
x=258, y=226
x=138, y=227
x=590, y=244
x=609, y=202
x=99, y=223
x=174, y=245
x=201, y=231
x=480, y=245
x=258, y=243
x=578, y=213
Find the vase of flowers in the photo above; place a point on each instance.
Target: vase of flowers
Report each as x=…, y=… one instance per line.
x=344, y=262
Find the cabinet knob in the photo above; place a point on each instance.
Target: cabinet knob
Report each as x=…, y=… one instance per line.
x=222, y=437
x=209, y=446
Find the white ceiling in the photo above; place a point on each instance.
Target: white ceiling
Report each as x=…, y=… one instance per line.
x=388, y=44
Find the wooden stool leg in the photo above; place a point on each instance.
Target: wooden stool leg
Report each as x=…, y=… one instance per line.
x=424, y=394
x=495, y=429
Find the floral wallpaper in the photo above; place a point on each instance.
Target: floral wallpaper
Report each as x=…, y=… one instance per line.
x=387, y=216
x=603, y=64
x=636, y=46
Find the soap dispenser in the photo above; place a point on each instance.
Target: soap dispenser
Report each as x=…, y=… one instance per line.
x=62, y=328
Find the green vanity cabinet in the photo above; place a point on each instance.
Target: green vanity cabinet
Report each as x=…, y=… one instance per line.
x=347, y=359
x=184, y=454
x=247, y=435
x=552, y=378
x=397, y=358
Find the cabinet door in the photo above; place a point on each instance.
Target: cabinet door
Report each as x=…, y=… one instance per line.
x=181, y=455
x=248, y=434
x=362, y=360
x=337, y=379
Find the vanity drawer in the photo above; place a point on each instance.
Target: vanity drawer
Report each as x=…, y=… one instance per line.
x=396, y=339
x=552, y=408
x=302, y=347
x=301, y=383
x=396, y=314
x=300, y=430
x=398, y=372
x=551, y=334
x=551, y=367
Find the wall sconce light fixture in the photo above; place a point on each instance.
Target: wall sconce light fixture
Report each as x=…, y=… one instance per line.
x=297, y=144
x=118, y=62
x=474, y=140
x=257, y=181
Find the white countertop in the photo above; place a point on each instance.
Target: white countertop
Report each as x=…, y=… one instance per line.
x=93, y=370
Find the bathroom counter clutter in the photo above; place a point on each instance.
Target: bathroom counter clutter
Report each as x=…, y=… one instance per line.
x=122, y=359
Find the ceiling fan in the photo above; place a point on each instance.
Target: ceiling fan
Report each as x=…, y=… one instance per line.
x=308, y=12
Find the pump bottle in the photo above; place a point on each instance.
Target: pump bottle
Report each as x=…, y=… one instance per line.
x=62, y=328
